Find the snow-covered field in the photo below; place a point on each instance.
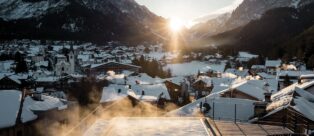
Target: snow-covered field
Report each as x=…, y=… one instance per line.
x=160, y=55
x=149, y=127
x=190, y=68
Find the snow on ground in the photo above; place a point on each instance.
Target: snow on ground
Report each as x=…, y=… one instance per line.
x=148, y=127
x=160, y=55
x=9, y=104
x=190, y=68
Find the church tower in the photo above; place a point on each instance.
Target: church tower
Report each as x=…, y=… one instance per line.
x=72, y=60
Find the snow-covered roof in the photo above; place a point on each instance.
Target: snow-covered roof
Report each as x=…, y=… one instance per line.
x=303, y=103
x=47, y=79
x=224, y=108
x=83, y=57
x=294, y=73
x=243, y=54
x=47, y=103
x=273, y=63
x=60, y=56
x=10, y=104
x=254, y=88
x=258, y=67
x=176, y=80
x=290, y=89
x=6, y=65
x=13, y=78
x=307, y=76
x=241, y=73
x=266, y=76
x=143, y=78
x=152, y=92
x=42, y=63
x=111, y=93
x=97, y=65
x=27, y=114
x=207, y=80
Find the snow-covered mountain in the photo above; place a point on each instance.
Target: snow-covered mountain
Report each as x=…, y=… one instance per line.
x=211, y=26
x=253, y=9
x=247, y=11
x=98, y=20
x=23, y=9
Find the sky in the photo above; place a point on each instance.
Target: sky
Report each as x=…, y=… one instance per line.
x=189, y=10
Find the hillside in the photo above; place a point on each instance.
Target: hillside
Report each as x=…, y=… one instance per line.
x=86, y=20
x=264, y=36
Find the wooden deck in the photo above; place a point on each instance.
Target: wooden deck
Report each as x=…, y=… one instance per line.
x=227, y=128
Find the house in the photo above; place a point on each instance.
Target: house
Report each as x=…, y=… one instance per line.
x=238, y=72
x=251, y=89
x=202, y=86
x=263, y=75
x=150, y=93
x=272, y=66
x=178, y=88
x=16, y=118
x=10, y=82
x=217, y=107
x=103, y=68
x=255, y=69
x=286, y=78
x=307, y=77
x=292, y=107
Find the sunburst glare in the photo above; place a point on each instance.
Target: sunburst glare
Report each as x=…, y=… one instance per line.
x=175, y=24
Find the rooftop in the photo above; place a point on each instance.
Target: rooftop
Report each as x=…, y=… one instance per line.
x=178, y=126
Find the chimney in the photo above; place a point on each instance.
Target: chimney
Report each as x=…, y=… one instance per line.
x=267, y=97
x=259, y=109
x=299, y=81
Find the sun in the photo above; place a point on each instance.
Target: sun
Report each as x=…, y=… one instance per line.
x=175, y=24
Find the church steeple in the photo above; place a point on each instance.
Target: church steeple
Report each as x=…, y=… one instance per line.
x=71, y=49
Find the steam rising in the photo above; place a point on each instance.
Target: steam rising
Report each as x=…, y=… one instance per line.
x=77, y=119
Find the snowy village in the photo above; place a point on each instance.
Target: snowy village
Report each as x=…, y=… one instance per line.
x=156, y=68
x=48, y=86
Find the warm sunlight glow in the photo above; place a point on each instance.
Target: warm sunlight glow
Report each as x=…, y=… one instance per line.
x=175, y=24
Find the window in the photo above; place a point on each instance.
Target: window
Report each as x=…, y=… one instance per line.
x=62, y=68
